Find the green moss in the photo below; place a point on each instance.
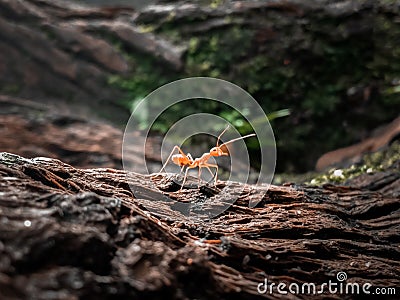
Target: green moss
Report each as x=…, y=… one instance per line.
x=11, y=89
x=147, y=28
x=147, y=76
x=216, y=3
x=370, y=163
x=208, y=56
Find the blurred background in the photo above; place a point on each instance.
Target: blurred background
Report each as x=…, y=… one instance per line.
x=326, y=72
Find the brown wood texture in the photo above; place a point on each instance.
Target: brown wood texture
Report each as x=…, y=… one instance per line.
x=69, y=233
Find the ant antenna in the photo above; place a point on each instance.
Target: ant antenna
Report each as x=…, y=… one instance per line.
x=237, y=139
x=219, y=137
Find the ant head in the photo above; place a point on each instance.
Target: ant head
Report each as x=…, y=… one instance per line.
x=217, y=151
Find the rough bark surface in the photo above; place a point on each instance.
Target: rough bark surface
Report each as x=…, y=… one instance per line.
x=32, y=129
x=69, y=233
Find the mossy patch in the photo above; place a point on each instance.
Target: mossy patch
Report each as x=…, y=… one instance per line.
x=370, y=163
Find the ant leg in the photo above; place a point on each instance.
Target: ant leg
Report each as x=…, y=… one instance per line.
x=209, y=170
x=219, y=137
x=184, y=179
x=183, y=167
x=180, y=172
x=169, y=157
x=190, y=158
x=207, y=165
x=199, y=175
x=186, y=173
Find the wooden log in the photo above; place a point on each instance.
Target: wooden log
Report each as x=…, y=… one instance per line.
x=73, y=233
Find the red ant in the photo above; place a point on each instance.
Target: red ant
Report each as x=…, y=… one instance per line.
x=184, y=160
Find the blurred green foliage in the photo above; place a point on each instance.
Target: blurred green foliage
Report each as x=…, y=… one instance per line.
x=338, y=78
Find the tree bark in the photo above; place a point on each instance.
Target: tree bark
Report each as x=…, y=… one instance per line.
x=98, y=233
